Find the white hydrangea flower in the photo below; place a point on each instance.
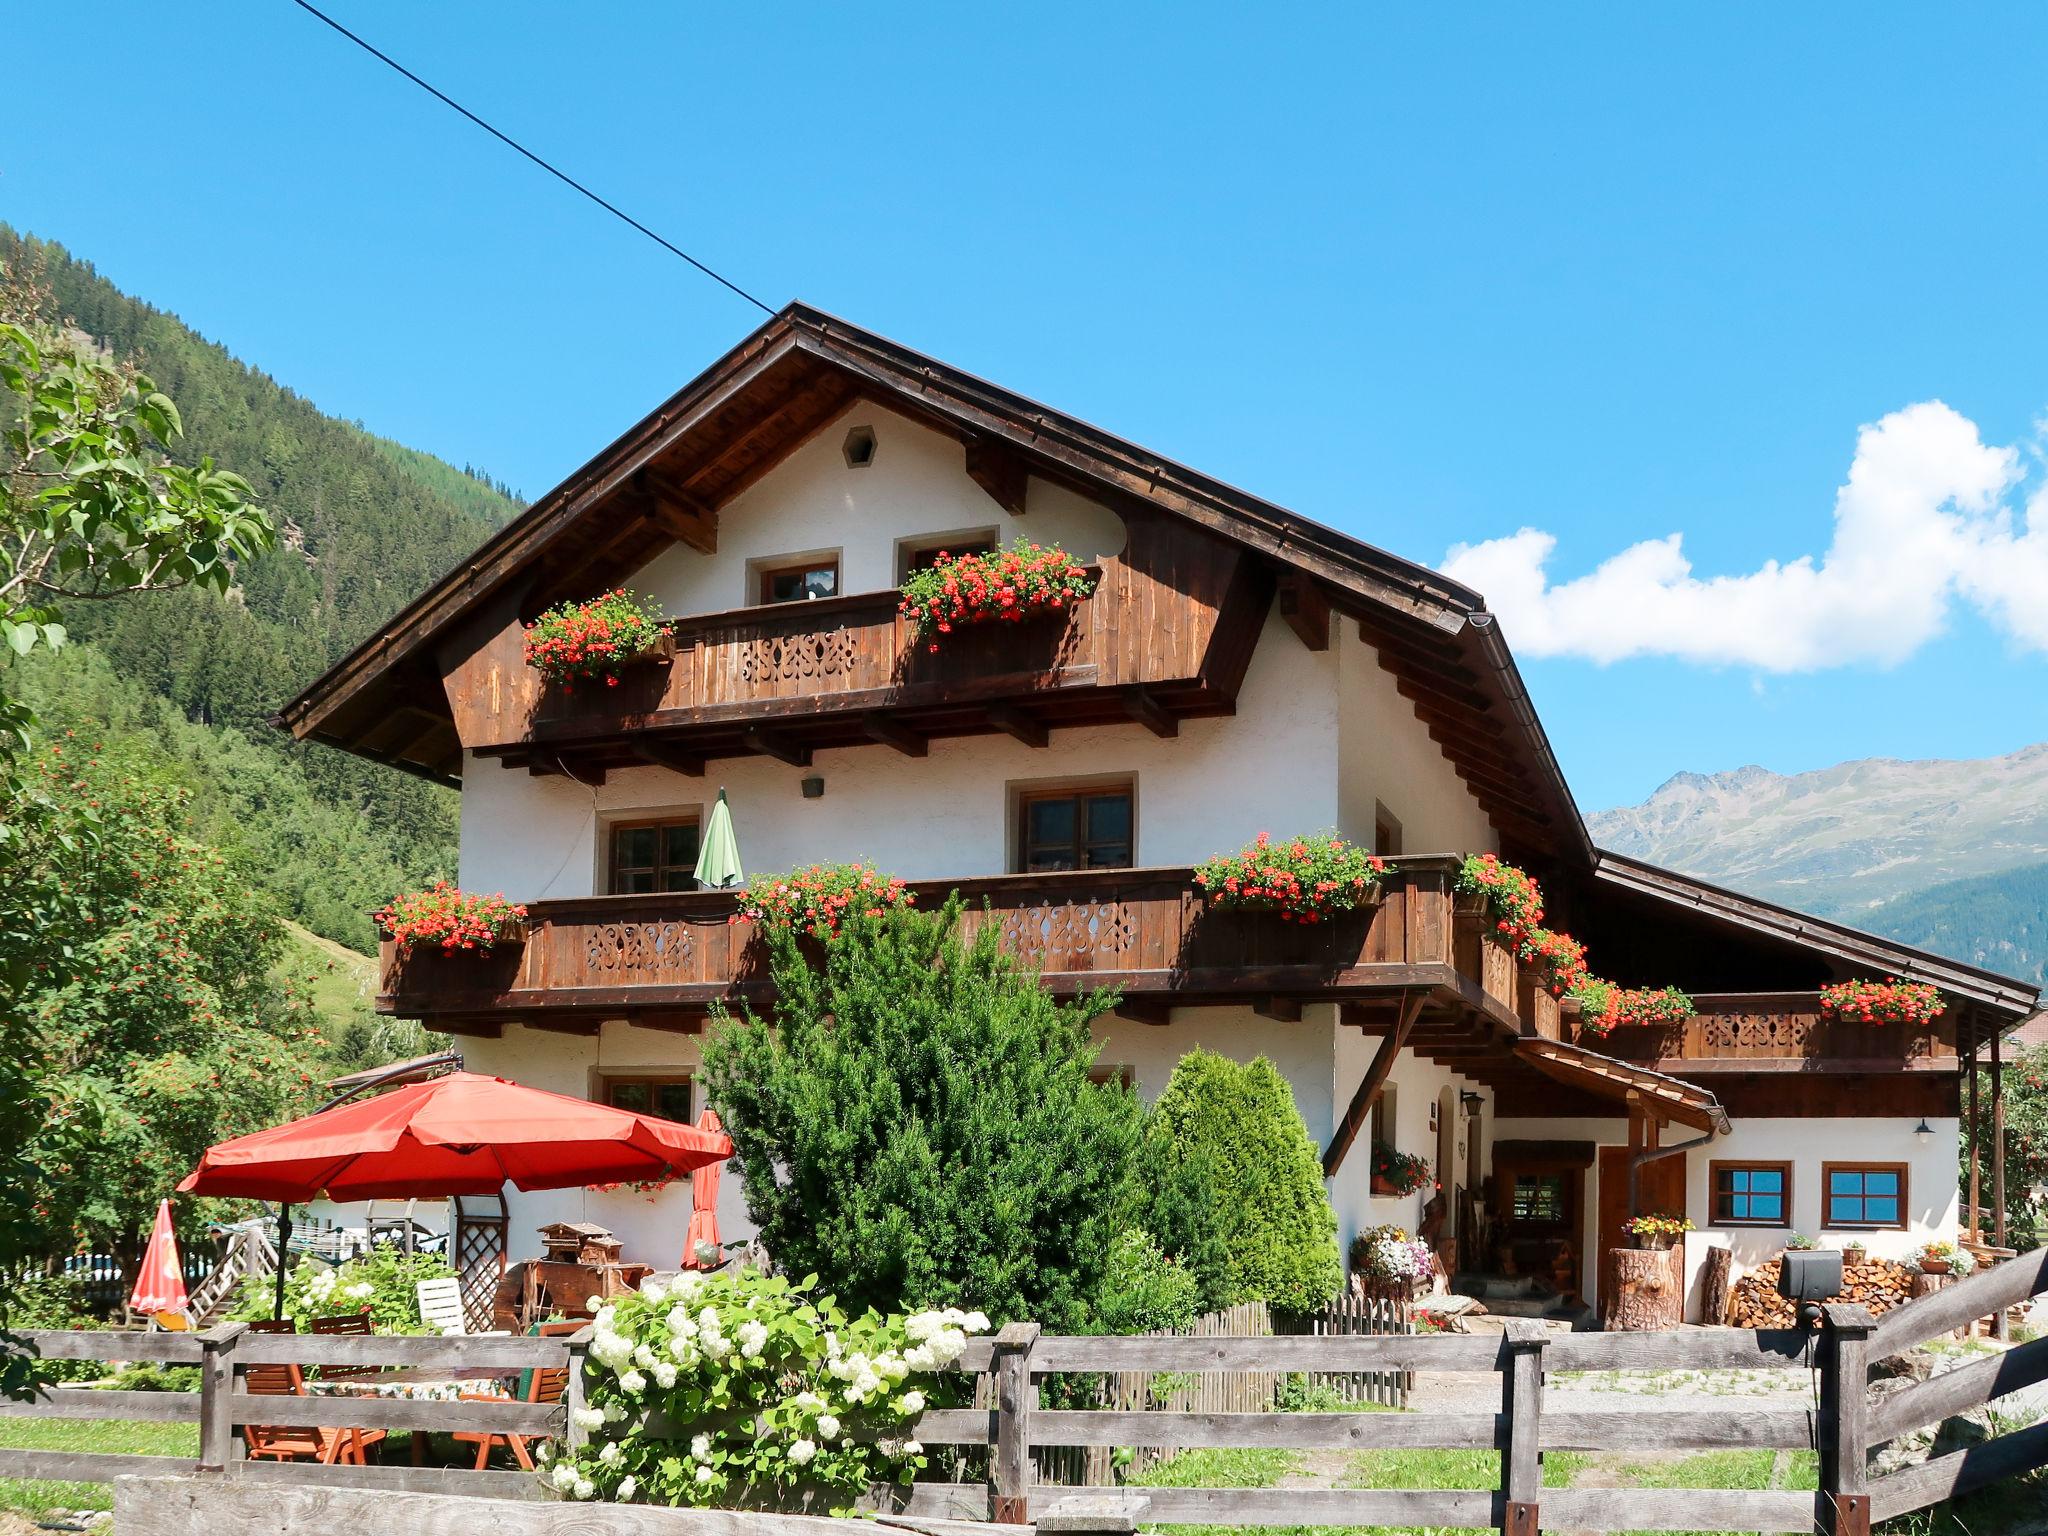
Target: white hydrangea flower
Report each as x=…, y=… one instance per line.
x=700, y=1447
x=588, y=1418
x=614, y=1413
x=703, y=1474
x=808, y=1401
x=584, y=1488
x=686, y=1285
x=828, y=1426
x=975, y=1322
x=612, y=1454
x=628, y=1486
x=664, y=1374
x=802, y=1452
x=920, y=1357
x=753, y=1336
x=653, y=1289
x=643, y=1357
x=913, y=1448
x=910, y=1403
x=632, y=1383
x=564, y=1475
x=605, y=1311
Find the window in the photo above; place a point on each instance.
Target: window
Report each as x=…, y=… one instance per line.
x=1863, y=1195
x=1383, y=1118
x=800, y=581
x=1075, y=828
x=913, y=554
x=1539, y=1198
x=1751, y=1194
x=1386, y=832
x=654, y=856
x=666, y=1096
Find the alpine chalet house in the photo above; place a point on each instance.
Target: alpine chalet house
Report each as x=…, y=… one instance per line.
x=1236, y=669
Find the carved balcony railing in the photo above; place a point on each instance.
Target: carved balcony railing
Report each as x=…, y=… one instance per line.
x=1167, y=634
x=1781, y=1032
x=668, y=958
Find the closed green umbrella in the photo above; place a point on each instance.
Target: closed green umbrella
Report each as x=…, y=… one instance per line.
x=718, y=860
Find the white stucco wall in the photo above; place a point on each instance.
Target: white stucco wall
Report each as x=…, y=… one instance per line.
x=1933, y=1203
x=813, y=503
x=1270, y=767
x=1387, y=755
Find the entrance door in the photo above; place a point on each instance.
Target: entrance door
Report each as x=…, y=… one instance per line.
x=1660, y=1186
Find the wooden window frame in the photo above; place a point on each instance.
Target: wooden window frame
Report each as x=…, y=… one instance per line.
x=1827, y=1179
x=654, y=1078
x=1024, y=796
x=1737, y=1164
x=1386, y=829
x=1564, y=1217
x=763, y=572
x=908, y=550
x=629, y=823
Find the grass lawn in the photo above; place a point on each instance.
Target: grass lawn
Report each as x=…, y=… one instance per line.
x=33, y=1497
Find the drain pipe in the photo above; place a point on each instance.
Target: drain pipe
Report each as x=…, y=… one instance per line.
x=1636, y=1163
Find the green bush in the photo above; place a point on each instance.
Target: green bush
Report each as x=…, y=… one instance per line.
x=38, y=1301
x=1143, y=1289
x=1237, y=1123
x=152, y=1376
x=918, y=1127
x=381, y=1283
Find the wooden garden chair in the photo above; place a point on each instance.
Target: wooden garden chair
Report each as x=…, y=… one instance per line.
x=295, y=1442
x=346, y=1325
x=544, y=1386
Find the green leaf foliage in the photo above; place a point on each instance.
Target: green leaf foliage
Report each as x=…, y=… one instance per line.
x=1144, y=1290
x=918, y=1125
x=1236, y=1123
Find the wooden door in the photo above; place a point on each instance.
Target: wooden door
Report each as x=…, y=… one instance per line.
x=1660, y=1187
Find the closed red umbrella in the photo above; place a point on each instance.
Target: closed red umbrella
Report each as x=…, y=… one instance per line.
x=160, y=1285
x=463, y=1134
x=704, y=1198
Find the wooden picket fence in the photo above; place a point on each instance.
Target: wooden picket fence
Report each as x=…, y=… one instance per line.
x=1012, y=1424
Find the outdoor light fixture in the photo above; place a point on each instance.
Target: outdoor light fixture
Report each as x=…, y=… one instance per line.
x=814, y=788
x=1923, y=1132
x=1472, y=1102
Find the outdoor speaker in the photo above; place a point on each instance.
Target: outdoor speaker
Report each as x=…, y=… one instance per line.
x=1810, y=1274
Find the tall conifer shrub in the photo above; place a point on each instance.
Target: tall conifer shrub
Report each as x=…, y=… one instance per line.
x=917, y=1125
x=1237, y=1124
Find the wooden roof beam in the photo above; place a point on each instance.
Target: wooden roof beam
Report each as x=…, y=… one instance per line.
x=1027, y=728
x=665, y=755
x=1150, y=713
x=677, y=512
x=1156, y=1011
x=1000, y=471
x=1368, y=1092
x=1282, y=1010
x=781, y=748
x=1306, y=608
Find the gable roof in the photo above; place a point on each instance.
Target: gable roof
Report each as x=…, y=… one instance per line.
x=665, y=477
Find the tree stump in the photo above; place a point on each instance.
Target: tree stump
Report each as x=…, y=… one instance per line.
x=1642, y=1290
x=1714, y=1287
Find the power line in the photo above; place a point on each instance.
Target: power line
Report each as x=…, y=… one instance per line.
x=554, y=171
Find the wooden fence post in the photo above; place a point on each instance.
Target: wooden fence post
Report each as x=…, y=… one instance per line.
x=1844, y=1497
x=1010, y=1465
x=218, y=1378
x=1521, y=1400
x=575, y=1434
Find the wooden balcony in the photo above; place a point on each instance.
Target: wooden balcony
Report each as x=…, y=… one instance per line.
x=1781, y=1032
x=664, y=960
x=1166, y=635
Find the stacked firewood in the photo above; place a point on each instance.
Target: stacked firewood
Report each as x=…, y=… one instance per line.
x=1754, y=1302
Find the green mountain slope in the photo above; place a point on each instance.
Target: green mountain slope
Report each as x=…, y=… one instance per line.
x=1997, y=921
x=185, y=682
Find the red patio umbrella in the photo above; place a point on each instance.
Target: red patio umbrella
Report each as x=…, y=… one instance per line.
x=704, y=1198
x=463, y=1134
x=160, y=1285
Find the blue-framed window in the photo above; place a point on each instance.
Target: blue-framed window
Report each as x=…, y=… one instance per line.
x=1752, y=1194
x=1863, y=1195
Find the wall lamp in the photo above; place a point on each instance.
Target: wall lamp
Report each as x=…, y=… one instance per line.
x=1923, y=1132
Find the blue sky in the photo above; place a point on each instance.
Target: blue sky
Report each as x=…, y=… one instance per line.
x=1430, y=278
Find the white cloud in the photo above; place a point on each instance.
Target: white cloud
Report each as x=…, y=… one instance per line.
x=1926, y=516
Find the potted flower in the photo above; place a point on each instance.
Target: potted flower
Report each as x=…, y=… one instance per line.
x=1799, y=1242
x=1853, y=1252
x=1605, y=1007
x=1943, y=1258
x=1386, y=1258
x=1508, y=897
x=1395, y=1172
x=599, y=638
x=1891, y=1001
x=815, y=900
x=1002, y=586
x=1303, y=879
x=1559, y=959
x=447, y=918
x=1656, y=1230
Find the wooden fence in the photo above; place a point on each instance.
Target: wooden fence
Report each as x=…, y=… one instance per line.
x=1844, y=1426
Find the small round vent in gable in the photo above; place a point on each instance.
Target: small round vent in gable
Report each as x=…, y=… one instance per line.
x=860, y=447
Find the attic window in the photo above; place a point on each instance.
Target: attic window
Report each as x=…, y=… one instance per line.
x=860, y=447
